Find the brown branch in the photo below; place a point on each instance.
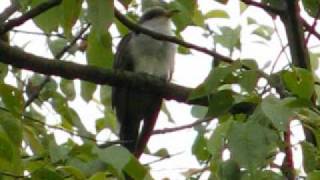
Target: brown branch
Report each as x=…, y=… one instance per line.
x=20, y=59
x=7, y=12
x=310, y=29
x=267, y=8
x=136, y=28
x=314, y=24
x=29, y=15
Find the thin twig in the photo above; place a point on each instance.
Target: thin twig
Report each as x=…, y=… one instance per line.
x=313, y=27
x=39, y=33
x=29, y=15
x=270, y=9
x=169, y=130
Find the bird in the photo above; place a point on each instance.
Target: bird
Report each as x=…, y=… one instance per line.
x=138, y=111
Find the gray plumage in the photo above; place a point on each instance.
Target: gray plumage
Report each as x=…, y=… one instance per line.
x=141, y=53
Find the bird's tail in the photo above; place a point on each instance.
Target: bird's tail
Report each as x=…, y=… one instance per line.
x=148, y=126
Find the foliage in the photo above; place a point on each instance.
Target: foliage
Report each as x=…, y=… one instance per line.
x=245, y=116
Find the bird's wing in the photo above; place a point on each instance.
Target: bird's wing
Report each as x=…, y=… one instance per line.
x=122, y=61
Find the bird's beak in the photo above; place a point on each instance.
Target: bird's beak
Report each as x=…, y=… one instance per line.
x=171, y=13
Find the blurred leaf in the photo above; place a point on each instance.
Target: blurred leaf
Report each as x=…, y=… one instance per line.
x=277, y=111
x=109, y=121
x=217, y=14
x=99, y=176
x=68, y=89
x=99, y=52
x=198, y=18
x=57, y=153
x=12, y=128
x=250, y=144
x=44, y=173
x=264, y=31
x=199, y=111
x=186, y=12
x=311, y=7
x=229, y=38
x=248, y=80
x=70, y=13
x=87, y=90
x=32, y=140
x=11, y=97
x=300, y=82
x=56, y=45
x=6, y=150
x=74, y=172
x=3, y=72
x=216, y=143
x=315, y=175
x=220, y=103
x=199, y=148
x=310, y=158
x=105, y=95
x=229, y=170
x=161, y=153
x=100, y=14
x=43, y=22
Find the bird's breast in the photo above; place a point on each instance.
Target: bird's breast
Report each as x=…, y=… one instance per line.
x=152, y=56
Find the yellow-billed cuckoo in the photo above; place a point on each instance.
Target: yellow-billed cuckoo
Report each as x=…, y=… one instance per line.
x=141, y=53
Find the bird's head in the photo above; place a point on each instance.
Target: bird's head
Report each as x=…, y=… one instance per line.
x=157, y=13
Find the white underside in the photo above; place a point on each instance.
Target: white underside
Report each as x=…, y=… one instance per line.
x=153, y=56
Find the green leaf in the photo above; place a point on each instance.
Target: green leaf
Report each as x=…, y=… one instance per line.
x=100, y=14
x=229, y=38
x=220, y=103
x=310, y=158
x=229, y=170
x=248, y=80
x=49, y=20
x=6, y=149
x=115, y=156
x=105, y=95
x=87, y=90
x=264, y=32
x=98, y=176
x=186, y=12
x=300, y=82
x=217, y=141
x=199, y=148
x=56, y=45
x=199, y=111
x=99, y=52
x=311, y=7
x=3, y=71
x=74, y=172
x=198, y=18
x=31, y=138
x=277, y=111
x=12, y=128
x=11, y=97
x=57, y=153
x=216, y=14
x=44, y=173
x=70, y=13
x=68, y=89
x=137, y=171
x=109, y=121
x=251, y=144
x=315, y=175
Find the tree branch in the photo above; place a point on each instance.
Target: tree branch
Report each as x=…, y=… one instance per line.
x=28, y=15
x=270, y=9
x=20, y=59
x=136, y=28
x=8, y=11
